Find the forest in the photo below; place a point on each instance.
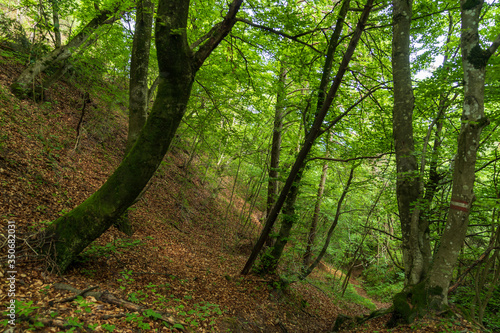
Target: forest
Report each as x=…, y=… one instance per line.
x=250, y=165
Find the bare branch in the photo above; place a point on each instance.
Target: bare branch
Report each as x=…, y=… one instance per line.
x=350, y=159
x=279, y=33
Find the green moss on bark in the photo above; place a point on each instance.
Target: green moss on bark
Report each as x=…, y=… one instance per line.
x=470, y=4
x=478, y=57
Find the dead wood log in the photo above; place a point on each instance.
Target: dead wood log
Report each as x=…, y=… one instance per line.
x=109, y=298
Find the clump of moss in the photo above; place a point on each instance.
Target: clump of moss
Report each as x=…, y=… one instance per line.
x=469, y=4
x=478, y=57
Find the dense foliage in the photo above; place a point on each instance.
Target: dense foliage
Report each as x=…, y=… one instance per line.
x=228, y=125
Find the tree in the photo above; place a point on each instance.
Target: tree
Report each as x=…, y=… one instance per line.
x=314, y=132
x=428, y=289
x=69, y=235
x=309, y=267
x=474, y=61
x=407, y=188
x=139, y=63
x=307, y=258
x=24, y=85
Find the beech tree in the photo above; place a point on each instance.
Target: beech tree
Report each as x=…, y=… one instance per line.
x=312, y=135
x=25, y=83
x=139, y=63
x=427, y=282
x=67, y=236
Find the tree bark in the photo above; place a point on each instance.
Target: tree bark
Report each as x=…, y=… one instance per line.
x=408, y=183
x=474, y=60
x=307, y=258
x=269, y=261
x=308, y=269
x=273, y=183
x=25, y=82
x=139, y=63
x=272, y=187
x=310, y=138
x=55, y=21
x=70, y=234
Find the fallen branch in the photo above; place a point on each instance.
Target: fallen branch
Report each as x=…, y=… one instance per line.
x=69, y=299
x=109, y=298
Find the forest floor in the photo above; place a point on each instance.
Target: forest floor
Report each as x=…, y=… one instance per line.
x=184, y=259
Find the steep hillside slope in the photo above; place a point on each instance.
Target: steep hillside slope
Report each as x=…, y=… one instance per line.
x=180, y=268
x=183, y=258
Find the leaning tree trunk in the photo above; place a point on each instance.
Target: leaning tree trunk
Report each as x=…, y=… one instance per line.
x=313, y=134
x=70, y=234
x=269, y=261
x=474, y=61
x=139, y=63
x=24, y=85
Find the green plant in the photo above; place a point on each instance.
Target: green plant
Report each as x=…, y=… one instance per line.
x=108, y=327
x=137, y=296
x=73, y=321
x=82, y=302
x=96, y=250
x=139, y=320
x=126, y=279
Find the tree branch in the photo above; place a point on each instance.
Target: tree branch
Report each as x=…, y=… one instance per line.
x=216, y=35
x=385, y=232
x=279, y=33
x=349, y=159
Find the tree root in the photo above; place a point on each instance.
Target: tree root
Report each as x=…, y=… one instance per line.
x=346, y=322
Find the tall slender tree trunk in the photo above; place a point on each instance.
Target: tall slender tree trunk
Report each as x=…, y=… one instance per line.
x=55, y=21
x=313, y=134
x=272, y=187
x=70, y=234
x=474, y=61
x=24, y=85
x=273, y=182
x=309, y=268
x=408, y=179
x=307, y=258
x=139, y=63
x=270, y=261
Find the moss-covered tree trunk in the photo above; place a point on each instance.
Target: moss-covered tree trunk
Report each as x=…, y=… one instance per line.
x=69, y=235
x=24, y=85
x=139, y=63
x=408, y=184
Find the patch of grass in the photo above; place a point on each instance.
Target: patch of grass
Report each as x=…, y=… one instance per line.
x=352, y=296
x=382, y=282
x=95, y=250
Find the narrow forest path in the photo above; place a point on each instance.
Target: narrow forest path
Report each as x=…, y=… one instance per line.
x=362, y=292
